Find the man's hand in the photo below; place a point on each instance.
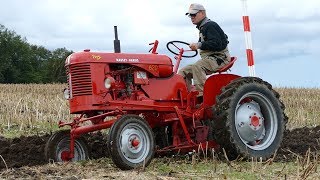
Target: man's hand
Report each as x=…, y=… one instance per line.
x=193, y=46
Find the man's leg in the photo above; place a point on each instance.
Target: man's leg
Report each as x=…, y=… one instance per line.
x=210, y=63
x=207, y=65
x=186, y=73
x=199, y=76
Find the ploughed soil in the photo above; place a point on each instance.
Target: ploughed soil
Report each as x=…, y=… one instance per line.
x=29, y=151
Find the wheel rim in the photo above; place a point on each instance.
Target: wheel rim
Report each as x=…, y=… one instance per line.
x=256, y=121
x=63, y=151
x=134, y=143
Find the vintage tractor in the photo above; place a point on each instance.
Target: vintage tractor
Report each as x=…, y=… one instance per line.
x=149, y=109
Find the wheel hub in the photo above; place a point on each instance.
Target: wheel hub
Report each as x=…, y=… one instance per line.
x=65, y=155
x=135, y=142
x=255, y=121
x=250, y=122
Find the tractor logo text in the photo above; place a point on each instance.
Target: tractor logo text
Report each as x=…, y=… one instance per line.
x=96, y=57
x=153, y=67
x=126, y=60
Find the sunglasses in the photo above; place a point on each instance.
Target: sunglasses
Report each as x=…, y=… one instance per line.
x=193, y=15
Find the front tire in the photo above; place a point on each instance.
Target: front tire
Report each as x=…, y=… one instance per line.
x=131, y=142
x=250, y=119
x=58, y=147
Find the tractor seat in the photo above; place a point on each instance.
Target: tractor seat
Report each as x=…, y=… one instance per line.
x=227, y=66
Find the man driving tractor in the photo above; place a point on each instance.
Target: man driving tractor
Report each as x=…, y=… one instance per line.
x=212, y=43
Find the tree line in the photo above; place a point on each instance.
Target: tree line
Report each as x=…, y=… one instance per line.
x=21, y=62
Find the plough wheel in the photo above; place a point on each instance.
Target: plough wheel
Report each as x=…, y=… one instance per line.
x=131, y=142
x=58, y=147
x=250, y=119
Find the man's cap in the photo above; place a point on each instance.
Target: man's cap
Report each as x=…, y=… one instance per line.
x=194, y=8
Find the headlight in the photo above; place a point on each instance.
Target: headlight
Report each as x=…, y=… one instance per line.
x=68, y=59
x=109, y=82
x=66, y=93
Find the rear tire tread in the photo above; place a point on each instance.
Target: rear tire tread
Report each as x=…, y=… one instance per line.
x=222, y=126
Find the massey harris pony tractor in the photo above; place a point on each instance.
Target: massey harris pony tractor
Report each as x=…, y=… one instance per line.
x=149, y=109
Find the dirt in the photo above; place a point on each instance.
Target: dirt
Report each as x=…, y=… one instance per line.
x=29, y=151
x=299, y=142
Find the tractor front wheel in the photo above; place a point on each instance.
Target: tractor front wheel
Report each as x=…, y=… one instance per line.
x=250, y=119
x=131, y=142
x=58, y=148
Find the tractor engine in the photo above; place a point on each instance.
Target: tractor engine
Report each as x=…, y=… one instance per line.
x=124, y=82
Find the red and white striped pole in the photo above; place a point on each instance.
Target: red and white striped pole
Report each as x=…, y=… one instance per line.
x=248, y=39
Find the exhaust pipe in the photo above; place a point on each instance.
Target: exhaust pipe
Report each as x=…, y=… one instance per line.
x=116, y=42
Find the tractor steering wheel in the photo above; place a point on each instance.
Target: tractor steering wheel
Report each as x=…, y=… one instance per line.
x=173, y=43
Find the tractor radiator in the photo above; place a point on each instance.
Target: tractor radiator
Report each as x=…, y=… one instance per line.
x=79, y=80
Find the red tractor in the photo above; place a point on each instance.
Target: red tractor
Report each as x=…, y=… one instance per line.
x=149, y=109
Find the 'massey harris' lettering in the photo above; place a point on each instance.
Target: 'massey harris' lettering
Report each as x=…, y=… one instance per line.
x=121, y=60
x=126, y=60
x=133, y=60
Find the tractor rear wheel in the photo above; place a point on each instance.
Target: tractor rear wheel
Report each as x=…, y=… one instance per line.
x=250, y=119
x=131, y=142
x=58, y=148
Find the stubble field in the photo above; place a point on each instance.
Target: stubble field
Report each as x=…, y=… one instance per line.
x=29, y=113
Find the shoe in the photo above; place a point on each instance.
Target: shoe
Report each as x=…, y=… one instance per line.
x=199, y=99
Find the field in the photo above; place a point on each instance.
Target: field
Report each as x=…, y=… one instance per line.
x=29, y=113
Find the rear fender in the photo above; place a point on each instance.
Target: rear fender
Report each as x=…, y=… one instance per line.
x=213, y=86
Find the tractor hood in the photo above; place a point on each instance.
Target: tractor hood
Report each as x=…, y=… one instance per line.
x=123, y=58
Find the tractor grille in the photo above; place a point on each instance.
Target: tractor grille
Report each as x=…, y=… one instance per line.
x=80, y=83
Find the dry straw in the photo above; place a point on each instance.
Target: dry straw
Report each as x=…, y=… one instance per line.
x=302, y=106
x=32, y=106
x=41, y=106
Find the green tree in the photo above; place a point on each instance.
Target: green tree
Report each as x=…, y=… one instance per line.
x=11, y=46
x=16, y=58
x=40, y=56
x=55, y=65
x=25, y=63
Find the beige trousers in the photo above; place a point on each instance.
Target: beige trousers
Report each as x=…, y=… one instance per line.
x=207, y=65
